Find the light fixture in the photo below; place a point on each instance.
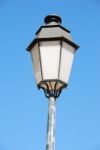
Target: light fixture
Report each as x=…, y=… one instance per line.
x=52, y=54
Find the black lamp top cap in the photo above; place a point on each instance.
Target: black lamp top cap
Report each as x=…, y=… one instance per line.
x=52, y=18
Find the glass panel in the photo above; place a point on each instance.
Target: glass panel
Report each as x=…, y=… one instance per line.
x=36, y=62
x=59, y=85
x=67, y=55
x=50, y=54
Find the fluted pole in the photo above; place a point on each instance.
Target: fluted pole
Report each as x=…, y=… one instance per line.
x=51, y=124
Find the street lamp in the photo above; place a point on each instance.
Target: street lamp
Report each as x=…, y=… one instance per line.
x=52, y=54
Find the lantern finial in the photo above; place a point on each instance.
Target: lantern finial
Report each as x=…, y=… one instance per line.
x=52, y=18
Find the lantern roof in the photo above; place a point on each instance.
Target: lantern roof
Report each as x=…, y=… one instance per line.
x=52, y=30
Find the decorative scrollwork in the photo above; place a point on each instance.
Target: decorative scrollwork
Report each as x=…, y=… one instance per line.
x=51, y=88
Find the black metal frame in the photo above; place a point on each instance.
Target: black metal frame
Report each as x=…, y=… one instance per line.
x=51, y=39
x=60, y=59
x=50, y=91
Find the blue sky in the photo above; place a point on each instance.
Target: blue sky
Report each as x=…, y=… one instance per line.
x=23, y=109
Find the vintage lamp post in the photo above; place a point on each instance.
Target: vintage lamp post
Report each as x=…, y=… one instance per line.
x=52, y=54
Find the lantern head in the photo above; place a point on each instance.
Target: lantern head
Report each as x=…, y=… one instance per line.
x=52, y=54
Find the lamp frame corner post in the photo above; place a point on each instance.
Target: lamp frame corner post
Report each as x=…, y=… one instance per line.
x=52, y=54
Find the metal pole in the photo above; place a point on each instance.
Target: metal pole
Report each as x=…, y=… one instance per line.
x=51, y=124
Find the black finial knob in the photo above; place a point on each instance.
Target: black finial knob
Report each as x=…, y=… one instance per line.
x=52, y=18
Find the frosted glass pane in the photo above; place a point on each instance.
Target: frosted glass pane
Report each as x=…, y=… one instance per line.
x=36, y=62
x=50, y=53
x=66, y=61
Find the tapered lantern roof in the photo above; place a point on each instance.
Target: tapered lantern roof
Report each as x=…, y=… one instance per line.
x=53, y=30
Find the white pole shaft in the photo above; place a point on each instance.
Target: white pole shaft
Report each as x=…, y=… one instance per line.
x=51, y=124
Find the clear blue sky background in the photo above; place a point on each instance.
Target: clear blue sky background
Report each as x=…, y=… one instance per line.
x=23, y=109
